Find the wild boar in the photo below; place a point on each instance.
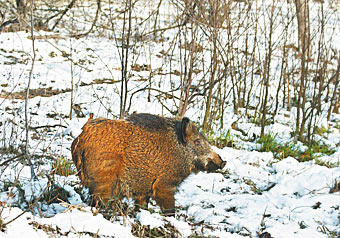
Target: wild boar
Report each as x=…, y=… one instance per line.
x=141, y=156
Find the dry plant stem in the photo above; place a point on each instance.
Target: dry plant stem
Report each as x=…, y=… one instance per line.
x=252, y=65
x=16, y=182
x=124, y=58
x=63, y=13
x=72, y=80
x=31, y=206
x=7, y=23
x=149, y=49
x=11, y=159
x=189, y=55
x=157, y=14
x=27, y=95
x=282, y=70
x=11, y=190
x=93, y=23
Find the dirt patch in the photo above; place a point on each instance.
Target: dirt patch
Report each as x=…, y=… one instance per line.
x=37, y=92
x=100, y=81
x=48, y=92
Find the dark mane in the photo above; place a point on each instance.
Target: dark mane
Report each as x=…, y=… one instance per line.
x=148, y=121
x=152, y=123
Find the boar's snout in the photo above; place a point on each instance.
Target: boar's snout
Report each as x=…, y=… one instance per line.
x=216, y=163
x=223, y=163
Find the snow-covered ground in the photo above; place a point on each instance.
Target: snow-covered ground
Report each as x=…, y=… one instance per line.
x=252, y=195
x=255, y=193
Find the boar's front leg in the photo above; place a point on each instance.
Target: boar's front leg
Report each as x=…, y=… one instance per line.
x=164, y=193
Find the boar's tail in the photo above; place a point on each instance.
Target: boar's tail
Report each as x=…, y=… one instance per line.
x=91, y=116
x=76, y=156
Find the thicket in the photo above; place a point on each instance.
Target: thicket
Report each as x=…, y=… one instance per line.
x=259, y=57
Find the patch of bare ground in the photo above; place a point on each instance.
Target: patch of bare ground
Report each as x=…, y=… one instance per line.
x=49, y=92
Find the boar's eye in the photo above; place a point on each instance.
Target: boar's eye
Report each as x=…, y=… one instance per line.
x=197, y=142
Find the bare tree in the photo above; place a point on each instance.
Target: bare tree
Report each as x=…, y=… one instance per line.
x=215, y=22
x=126, y=36
x=302, y=14
x=267, y=66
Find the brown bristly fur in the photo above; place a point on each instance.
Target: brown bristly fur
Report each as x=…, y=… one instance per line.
x=142, y=156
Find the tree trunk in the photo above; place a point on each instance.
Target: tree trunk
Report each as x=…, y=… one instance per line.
x=302, y=14
x=266, y=73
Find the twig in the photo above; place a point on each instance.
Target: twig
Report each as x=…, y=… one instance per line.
x=63, y=13
x=6, y=23
x=47, y=126
x=28, y=92
x=31, y=206
x=9, y=160
x=93, y=23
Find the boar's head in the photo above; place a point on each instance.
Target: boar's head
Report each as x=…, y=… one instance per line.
x=202, y=156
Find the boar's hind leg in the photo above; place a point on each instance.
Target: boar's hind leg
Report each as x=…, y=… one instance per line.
x=141, y=201
x=103, y=182
x=164, y=194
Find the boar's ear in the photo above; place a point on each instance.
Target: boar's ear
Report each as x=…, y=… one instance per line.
x=186, y=129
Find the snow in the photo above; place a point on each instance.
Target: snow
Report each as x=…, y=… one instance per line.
x=226, y=203
x=183, y=227
x=73, y=222
x=86, y=221
x=147, y=219
x=254, y=193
